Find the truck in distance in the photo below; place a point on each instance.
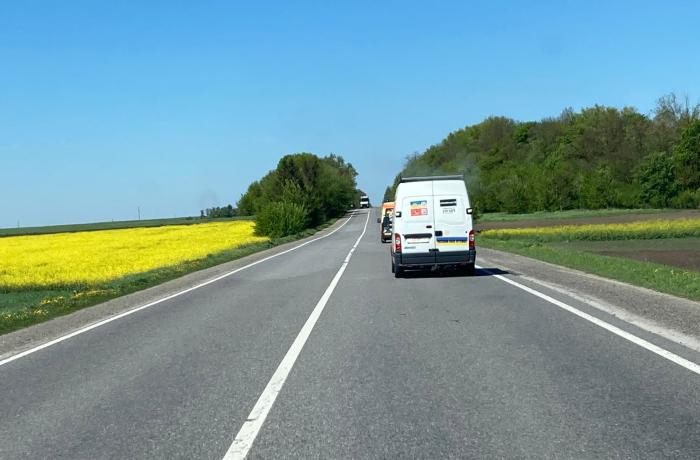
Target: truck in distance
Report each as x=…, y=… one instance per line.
x=364, y=201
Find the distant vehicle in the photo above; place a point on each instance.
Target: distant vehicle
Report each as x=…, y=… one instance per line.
x=385, y=217
x=387, y=209
x=364, y=201
x=386, y=229
x=432, y=225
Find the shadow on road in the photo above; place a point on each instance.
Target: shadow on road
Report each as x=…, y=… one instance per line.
x=451, y=273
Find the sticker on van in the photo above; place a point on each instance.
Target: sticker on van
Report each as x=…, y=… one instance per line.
x=453, y=240
x=419, y=208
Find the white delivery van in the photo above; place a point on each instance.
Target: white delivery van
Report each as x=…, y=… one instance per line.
x=432, y=225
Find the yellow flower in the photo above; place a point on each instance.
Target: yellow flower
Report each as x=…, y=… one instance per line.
x=90, y=258
x=646, y=229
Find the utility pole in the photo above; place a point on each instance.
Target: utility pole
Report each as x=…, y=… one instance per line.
x=139, y=211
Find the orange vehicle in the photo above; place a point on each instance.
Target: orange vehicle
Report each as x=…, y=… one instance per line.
x=385, y=227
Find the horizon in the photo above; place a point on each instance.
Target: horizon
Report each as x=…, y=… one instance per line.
x=372, y=198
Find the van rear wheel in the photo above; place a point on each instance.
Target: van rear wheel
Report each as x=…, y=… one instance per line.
x=398, y=272
x=468, y=269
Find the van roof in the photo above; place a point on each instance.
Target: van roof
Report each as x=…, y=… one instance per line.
x=427, y=178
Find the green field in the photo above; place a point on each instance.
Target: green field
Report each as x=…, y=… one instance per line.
x=569, y=214
x=111, y=225
x=667, y=244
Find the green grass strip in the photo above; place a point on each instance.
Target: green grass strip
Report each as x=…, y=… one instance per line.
x=662, y=278
x=115, y=225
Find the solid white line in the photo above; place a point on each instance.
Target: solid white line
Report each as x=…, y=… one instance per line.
x=163, y=299
x=624, y=315
x=249, y=431
x=691, y=366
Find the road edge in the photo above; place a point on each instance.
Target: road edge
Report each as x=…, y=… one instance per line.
x=676, y=319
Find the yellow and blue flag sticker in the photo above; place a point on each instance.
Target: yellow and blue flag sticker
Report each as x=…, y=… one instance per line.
x=452, y=240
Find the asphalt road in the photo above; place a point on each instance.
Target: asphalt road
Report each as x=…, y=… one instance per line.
x=429, y=366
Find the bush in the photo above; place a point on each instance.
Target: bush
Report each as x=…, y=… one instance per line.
x=687, y=199
x=656, y=177
x=278, y=219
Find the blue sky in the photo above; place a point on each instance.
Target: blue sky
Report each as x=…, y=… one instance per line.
x=176, y=106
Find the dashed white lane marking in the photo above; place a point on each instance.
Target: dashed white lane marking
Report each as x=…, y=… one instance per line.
x=251, y=427
x=156, y=302
x=691, y=366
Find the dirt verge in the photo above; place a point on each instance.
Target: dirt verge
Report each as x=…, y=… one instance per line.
x=689, y=260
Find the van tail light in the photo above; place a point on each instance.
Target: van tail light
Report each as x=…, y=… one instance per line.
x=397, y=242
x=472, y=241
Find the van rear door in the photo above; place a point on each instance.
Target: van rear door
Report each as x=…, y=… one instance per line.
x=417, y=225
x=452, y=223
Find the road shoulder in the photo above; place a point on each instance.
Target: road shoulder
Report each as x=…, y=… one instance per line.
x=671, y=317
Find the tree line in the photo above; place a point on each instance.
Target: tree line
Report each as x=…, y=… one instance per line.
x=304, y=191
x=599, y=157
x=218, y=211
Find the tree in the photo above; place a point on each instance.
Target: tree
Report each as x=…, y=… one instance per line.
x=671, y=117
x=217, y=212
x=686, y=158
x=323, y=187
x=596, y=157
x=388, y=195
x=598, y=189
x=248, y=203
x=656, y=176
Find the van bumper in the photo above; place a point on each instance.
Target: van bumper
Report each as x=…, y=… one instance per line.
x=434, y=259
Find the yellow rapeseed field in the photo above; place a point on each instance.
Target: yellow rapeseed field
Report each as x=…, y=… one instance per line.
x=90, y=258
x=634, y=230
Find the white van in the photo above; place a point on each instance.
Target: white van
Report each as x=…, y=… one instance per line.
x=432, y=225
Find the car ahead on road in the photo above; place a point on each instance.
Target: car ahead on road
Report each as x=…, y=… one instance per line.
x=432, y=225
x=364, y=201
x=385, y=216
x=386, y=229
x=387, y=210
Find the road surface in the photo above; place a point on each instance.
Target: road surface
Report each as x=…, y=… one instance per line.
x=423, y=367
